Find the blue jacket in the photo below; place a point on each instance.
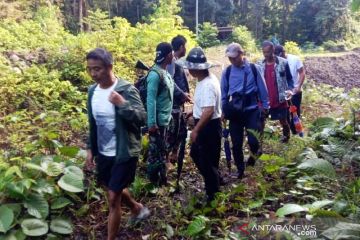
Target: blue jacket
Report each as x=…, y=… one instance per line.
x=254, y=87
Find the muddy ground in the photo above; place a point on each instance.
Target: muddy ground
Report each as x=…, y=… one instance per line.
x=340, y=71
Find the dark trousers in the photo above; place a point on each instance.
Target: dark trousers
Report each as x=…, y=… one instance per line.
x=156, y=168
x=249, y=120
x=205, y=152
x=296, y=101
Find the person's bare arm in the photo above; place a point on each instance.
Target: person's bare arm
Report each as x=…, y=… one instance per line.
x=301, y=72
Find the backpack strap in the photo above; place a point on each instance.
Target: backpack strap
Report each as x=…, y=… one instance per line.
x=254, y=71
x=227, y=78
x=161, y=85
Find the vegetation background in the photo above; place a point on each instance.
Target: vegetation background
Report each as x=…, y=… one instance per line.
x=44, y=194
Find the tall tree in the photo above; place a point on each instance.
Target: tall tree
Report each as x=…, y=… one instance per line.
x=318, y=21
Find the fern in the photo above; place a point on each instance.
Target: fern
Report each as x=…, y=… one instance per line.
x=343, y=230
x=318, y=166
x=321, y=123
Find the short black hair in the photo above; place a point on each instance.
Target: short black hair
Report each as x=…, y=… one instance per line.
x=279, y=49
x=267, y=44
x=101, y=54
x=177, y=42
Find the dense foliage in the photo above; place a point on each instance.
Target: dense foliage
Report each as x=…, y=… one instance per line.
x=44, y=192
x=291, y=20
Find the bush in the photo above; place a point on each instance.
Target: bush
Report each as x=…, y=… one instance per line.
x=334, y=46
x=208, y=35
x=292, y=48
x=244, y=37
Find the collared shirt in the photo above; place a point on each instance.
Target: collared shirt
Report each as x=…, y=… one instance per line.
x=207, y=94
x=236, y=81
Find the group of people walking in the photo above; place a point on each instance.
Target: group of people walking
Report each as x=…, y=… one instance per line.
x=246, y=95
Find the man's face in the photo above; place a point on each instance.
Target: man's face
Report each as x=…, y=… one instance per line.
x=268, y=52
x=97, y=70
x=282, y=54
x=183, y=50
x=237, y=61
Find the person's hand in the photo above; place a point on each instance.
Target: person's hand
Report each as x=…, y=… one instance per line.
x=193, y=135
x=188, y=114
x=153, y=129
x=296, y=90
x=116, y=98
x=223, y=118
x=288, y=94
x=188, y=98
x=89, y=164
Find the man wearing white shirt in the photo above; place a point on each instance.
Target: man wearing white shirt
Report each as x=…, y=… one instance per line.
x=298, y=73
x=116, y=114
x=206, y=135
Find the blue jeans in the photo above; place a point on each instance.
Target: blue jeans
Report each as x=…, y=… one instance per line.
x=249, y=120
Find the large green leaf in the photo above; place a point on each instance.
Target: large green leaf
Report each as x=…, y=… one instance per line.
x=6, y=218
x=318, y=166
x=74, y=170
x=60, y=203
x=308, y=153
x=61, y=226
x=34, y=167
x=12, y=170
x=320, y=204
x=69, y=151
x=15, y=190
x=197, y=225
x=343, y=230
x=323, y=122
x=290, y=209
x=37, y=206
x=44, y=186
x=51, y=168
x=14, y=235
x=71, y=183
x=15, y=207
x=34, y=227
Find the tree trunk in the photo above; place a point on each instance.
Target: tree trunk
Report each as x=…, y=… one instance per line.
x=285, y=18
x=81, y=3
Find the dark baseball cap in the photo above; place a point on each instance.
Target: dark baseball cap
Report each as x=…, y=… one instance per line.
x=162, y=50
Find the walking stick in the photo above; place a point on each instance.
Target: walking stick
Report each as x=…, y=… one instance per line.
x=227, y=149
x=181, y=155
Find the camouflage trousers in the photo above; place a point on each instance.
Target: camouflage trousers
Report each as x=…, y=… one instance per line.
x=177, y=133
x=156, y=168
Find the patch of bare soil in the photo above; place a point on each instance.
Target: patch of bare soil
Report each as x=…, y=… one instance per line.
x=340, y=71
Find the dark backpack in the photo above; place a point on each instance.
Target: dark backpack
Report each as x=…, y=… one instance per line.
x=141, y=85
